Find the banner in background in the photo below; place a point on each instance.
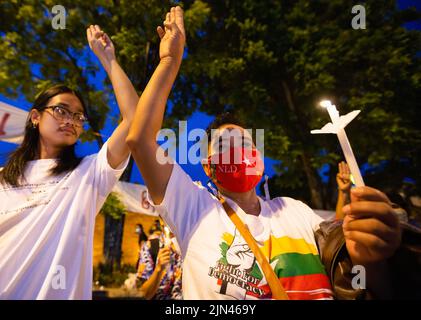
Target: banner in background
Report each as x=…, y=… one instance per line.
x=12, y=123
x=133, y=196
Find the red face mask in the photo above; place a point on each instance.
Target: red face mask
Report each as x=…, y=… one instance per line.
x=238, y=169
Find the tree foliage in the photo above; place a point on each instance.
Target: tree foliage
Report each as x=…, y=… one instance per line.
x=113, y=207
x=270, y=62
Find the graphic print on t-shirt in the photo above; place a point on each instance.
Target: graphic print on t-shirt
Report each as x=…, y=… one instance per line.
x=295, y=262
x=47, y=225
x=237, y=272
x=36, y=194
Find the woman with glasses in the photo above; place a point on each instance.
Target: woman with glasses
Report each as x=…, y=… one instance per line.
x=49, y=197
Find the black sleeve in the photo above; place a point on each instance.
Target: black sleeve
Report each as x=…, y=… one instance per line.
x=405, y=264
x=334, y=256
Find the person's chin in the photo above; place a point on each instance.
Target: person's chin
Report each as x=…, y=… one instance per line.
x=67, y=141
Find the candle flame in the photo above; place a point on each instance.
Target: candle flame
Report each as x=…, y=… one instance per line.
x=325, y=103
x=167, y=231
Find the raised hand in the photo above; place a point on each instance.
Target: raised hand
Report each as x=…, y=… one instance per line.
x=343, y=178
x=173, y=36
x=163, y=258
x=101, y=44
x=371, y=227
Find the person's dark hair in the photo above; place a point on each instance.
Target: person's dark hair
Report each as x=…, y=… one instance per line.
x=142, y=235
x=154, y=229
x=28, y=150
x=221, y=119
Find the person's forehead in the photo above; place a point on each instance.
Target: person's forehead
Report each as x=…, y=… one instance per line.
x=231, y=130
x=68, y=100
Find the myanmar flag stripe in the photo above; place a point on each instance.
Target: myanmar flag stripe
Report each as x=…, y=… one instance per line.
x=310, y=282
x=308, y=287
x=295, y=264
x=288, y=245
x=311, y=296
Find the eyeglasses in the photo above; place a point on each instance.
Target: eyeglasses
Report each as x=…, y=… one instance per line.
x=61, y=114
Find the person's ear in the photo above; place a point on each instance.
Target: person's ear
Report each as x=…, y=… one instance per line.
x=35, y=117
x=208, y=172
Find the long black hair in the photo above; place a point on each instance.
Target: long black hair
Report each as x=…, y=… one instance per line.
x=28, y=150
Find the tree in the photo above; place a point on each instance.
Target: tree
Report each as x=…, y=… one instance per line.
x=271, y=62
x=115, y=211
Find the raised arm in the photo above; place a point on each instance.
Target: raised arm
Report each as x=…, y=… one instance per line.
x=151, y=107
x=344, y=188
x=124, y=91
x=151, y=285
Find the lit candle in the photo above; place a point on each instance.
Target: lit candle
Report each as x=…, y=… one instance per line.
x=343, y=140
x=167, y=236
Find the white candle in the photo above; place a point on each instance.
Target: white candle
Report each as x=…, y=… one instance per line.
x=345, y=145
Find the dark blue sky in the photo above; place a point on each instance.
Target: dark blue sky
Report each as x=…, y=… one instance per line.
x=197, y=120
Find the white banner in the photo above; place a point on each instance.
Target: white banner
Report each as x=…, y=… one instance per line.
x=12, y=123
x=326, y=214
x=133, y=197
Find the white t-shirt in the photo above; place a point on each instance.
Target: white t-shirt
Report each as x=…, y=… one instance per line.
x=218, y=263
x=47, y=226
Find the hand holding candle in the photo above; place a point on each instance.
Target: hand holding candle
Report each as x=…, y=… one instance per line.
x=337, y=126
